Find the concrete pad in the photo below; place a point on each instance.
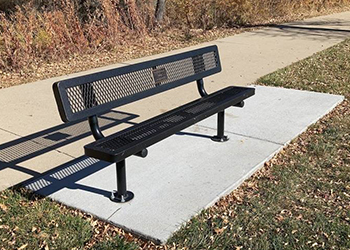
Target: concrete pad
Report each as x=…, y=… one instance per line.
x=282, y=114
x=64, y=184
x=188, y=172
x=169, y=185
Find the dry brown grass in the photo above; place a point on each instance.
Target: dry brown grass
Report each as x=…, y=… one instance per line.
x=41, y=33
x=34, y=34
x=131, y=46
x=207, y=14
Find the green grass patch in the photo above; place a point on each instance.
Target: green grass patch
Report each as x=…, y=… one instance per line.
x=31, y=222
x=327, y=71
x=113, y=244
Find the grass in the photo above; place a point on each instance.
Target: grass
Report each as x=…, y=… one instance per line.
x=327, y=72
x=28, y=221
x=299, y=200
x=38, y=224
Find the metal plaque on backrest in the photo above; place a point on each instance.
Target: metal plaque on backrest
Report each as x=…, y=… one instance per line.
x=159, y=75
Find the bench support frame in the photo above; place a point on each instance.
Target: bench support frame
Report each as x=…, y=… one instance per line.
x=220, y=137
x=121, y=195
x=201, y=89
x=86, y=97
x=95, y=128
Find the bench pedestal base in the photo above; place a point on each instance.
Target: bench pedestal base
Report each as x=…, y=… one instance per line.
x=121, y=195
x=220, y=138
x=119, y=198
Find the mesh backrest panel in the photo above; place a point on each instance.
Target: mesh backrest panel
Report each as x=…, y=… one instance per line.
x=90, y=94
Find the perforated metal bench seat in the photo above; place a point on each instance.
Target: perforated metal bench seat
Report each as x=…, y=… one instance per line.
x=121, y=145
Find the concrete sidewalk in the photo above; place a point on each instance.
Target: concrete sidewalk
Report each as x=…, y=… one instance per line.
x=31, y=131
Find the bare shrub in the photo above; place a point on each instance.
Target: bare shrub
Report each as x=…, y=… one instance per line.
x=207, y=14
x=42, y=30
x=37, y=31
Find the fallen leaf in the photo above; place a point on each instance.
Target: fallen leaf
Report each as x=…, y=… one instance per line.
x=23, y=246
x=219, y=230
x=280, y=218
x=3, y=207
x=44, y=235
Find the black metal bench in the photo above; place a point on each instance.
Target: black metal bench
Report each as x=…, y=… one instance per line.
x=91, y=95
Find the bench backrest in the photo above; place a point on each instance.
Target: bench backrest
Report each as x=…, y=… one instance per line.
x=98, y=93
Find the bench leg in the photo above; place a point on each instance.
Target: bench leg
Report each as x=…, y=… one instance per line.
x=121, y=195
x=220, y=137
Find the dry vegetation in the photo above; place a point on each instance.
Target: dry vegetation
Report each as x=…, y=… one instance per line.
x=40, y=39
x=209, y=14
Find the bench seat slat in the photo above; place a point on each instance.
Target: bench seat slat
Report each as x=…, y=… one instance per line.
x=120, y=145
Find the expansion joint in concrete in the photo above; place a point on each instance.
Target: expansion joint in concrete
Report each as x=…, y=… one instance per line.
x=113, y=213
x=247, y=136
